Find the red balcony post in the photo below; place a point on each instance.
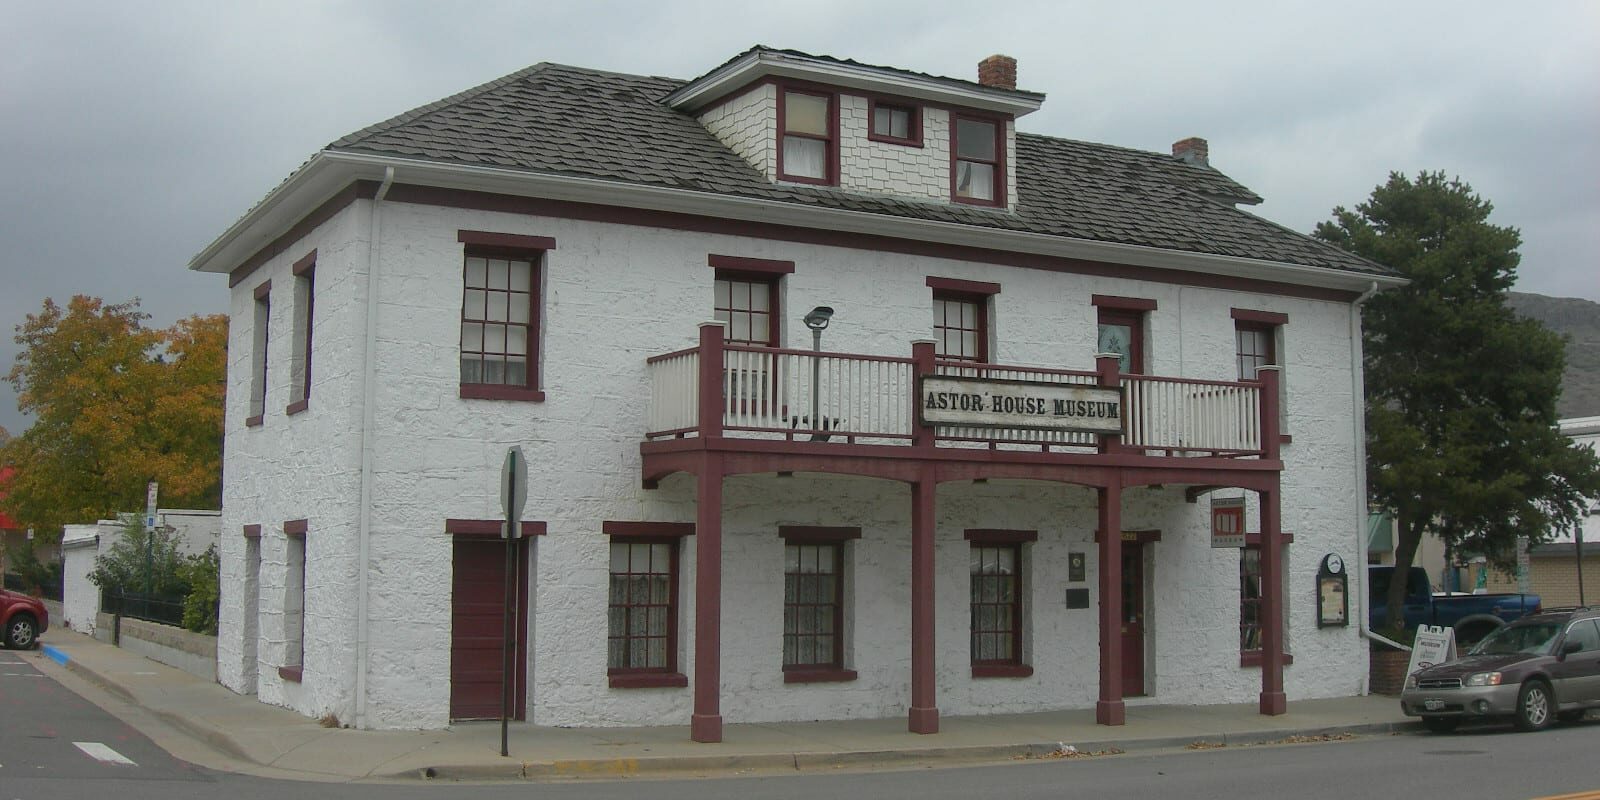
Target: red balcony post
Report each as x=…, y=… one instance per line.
x=1109, y=710
x=1273, y=700
x=1108, y=364
x=922, y=357
x=1271, y=410
x=924, y=715
x=711, y=372
x=705, y=724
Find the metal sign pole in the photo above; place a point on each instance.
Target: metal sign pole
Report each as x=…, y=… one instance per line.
x=513, y=492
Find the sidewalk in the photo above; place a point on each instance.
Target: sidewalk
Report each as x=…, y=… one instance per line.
x=244, y=729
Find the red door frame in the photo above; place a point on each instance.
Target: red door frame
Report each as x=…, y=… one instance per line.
x=493, y=550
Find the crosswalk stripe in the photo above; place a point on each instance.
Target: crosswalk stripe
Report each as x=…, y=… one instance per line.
x=100, y=752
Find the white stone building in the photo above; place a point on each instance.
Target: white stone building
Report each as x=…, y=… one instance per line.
x=194, y=530
x=764, y=534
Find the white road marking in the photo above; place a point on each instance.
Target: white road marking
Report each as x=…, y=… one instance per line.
x=100, y=752
x=22, y=675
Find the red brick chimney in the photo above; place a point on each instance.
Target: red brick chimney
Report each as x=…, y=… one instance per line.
x=1193, y=150
x=998, y=71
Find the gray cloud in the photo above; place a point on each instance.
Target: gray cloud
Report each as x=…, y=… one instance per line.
x=135, y=133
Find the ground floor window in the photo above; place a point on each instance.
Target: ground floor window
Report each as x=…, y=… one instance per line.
x=996, y=591
x=642, y=617
x=813, y=605
x=1250, y=597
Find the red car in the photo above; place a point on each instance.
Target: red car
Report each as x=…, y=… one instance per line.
x=22, y=619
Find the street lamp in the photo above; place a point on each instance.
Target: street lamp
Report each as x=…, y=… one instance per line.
x=817, y=321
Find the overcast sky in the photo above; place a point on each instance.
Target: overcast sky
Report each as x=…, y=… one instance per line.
x=132, y=134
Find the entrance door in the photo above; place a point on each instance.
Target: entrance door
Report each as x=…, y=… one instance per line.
x=477, y=626
x=1132, y=618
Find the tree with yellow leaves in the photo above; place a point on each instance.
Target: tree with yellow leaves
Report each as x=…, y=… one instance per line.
x=116, y=404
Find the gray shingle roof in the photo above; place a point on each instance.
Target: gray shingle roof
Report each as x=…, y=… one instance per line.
x=563, y=120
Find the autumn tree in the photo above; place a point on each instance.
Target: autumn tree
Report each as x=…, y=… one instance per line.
x=1460, y=405
x=116, y=404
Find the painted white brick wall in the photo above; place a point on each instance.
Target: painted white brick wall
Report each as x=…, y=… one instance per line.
x=615, y=295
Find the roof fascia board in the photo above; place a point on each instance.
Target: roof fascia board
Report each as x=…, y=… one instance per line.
x=343, y=168
x=755, y=66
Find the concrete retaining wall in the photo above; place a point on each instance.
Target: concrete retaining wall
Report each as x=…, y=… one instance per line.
x=194, y=653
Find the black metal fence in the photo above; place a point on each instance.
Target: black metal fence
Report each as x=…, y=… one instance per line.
x=166, y=610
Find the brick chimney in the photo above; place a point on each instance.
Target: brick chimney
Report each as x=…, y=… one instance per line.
x=998, y=71
x=1192, y=150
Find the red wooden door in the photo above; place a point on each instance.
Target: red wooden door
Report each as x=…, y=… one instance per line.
x=477, y=626
x=1132, y=619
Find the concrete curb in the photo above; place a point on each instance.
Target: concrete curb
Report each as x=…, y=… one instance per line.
x=669, y=766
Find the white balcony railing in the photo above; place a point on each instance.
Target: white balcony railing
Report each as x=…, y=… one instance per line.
x=873, y=399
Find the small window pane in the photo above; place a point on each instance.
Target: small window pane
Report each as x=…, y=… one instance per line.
x=518, y=307
x=472, y=304
x=806, y=158
x=660, y=557
x=975, y=140
x=497, y=306
x=516, y=341
x=476, y=272
x=472, y=337
x=497, y=273
x=721, y=299
x=975, y=180
x=805, y=113
x=521, y=276
x=759, y=297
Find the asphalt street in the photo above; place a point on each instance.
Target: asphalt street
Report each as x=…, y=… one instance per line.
x=57, y=744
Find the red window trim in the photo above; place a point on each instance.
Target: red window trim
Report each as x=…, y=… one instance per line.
x=296, y=528
x=981, y=300
x=653, y=677
x=255, y=421
x=489, y=527
x=834, y=670
x=305, y=268
x=1134, y=320
x=913, y=127
x=765, y=266
x=1254, y=539
x=831, y=152
x=522, y=247
x=508, y=241
x=1252, y=658
x=292, y=674
x=817, y=534
x=252, y=531
x=1262, y=317
x=817, y=675
x=1001, y=181
x=647, y=530
x=306, y=263
x=1122, y=303
x=984, y=537
x=774, y=312
x=1012, y=667
x=264, y=290
x=263, y=297
x=961, y=286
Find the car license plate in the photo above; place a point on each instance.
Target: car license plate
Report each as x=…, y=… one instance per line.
x=1433, y=704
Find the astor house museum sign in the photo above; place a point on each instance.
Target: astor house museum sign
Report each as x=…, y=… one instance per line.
x=980, y=402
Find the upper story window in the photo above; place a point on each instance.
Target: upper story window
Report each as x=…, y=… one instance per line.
x=748, y=303
x=258, y=354
x=500, y=305
x=305, y=285
x=960, y=326
x=895, y=123
x=1121, y=330
x=808, y=138
x=1255, y=348
x=978, y=169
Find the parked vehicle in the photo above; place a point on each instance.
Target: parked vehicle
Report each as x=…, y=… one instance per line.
x=1535, y=670
x=22, y=619
x=1473, y=616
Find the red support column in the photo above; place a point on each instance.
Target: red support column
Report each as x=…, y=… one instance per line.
x=711, y=371
x=1273, y=700
x=706, y=723
x=1107, y=365
x=924, y=717
x=922, y=356
x=1109, y=710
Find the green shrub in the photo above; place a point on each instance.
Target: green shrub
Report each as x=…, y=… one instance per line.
x=204, y=576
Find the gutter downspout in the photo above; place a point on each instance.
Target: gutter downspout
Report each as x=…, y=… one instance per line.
x=1358, y=393
x=369, y=378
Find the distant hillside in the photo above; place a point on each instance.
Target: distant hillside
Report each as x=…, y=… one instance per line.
x=1579, y=321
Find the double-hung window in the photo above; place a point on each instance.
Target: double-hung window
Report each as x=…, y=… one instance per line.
x=748, y=303
x=807, y=137
x=1121, y=330
x=642, y=608
x=995, y=570
x=814, y=603
x=305, y=284
x=978, y=163
x=894, y=123
x=1257, y=337
x=258, y=354
x=500, y=308
x=294, y=601
x=960, y=326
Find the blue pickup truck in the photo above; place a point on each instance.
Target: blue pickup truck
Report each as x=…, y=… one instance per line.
x=1472, y=615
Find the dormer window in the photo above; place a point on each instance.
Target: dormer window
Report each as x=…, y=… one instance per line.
x=978, y=168
x=807, y=150
x=895, y=123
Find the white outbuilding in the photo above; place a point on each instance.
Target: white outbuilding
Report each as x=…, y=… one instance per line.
x=841, y=398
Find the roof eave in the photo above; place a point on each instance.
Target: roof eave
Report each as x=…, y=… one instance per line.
x=758, y=64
